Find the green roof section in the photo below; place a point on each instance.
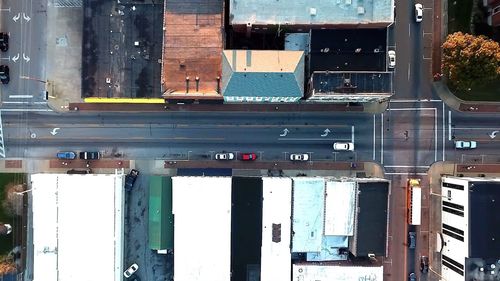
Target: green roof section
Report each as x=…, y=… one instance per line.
x=161, y=219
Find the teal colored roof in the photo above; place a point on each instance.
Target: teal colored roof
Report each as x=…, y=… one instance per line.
x=161, y=219
x=248, y=73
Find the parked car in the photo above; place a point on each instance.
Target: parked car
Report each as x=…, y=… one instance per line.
x=4, y=41
x=392, y=58
x=343, y=146
x=224, y=156
x=412, y=277
x=424, y=264
x=465, y=144
x=80, y=172
x=419, y=12
x=299, y=157
x=412, y=240
x=4, y=74
x=66, y=155
x=248, y=156
x=131, y=270
x=131, y=178
x=89, y=155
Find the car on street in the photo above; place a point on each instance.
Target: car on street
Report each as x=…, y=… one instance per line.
x=412, y=240
x=299, y=157
x=4, y=74
x=412, y=277
x=249, y=156
x=392, y=58
x=419, y=12
x=131, y=270
x=343, y=146
x=224, y=156
x=89, y=155
x=424, y=264
x=465, y=144
x=66, y=155
x=4, y=41
x=130, y=179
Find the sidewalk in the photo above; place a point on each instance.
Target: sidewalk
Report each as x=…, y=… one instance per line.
x=440, y=88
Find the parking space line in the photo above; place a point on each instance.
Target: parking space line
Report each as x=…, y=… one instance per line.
x=20, y=96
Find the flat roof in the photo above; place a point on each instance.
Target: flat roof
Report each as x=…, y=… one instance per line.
x=305, y=272
x=312, y=12
x=484, y=219
x=372, y=218
x=77, y=219
x=348, y=50
x=308, y=214
x=341, y=83
x=277, y=210
x=339, y=208
x=192, y=47
x=202, y=211
x=161, y=219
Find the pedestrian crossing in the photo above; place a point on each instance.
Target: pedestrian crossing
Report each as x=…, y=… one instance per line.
x=68, y=3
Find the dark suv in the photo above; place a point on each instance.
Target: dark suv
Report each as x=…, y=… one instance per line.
x=4, y=41
x=130, y=179
x=424, y=264
x=89, y=155
x=412, y=240
x=4, y=74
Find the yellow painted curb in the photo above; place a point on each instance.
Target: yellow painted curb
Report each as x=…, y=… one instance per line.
x=122, y=100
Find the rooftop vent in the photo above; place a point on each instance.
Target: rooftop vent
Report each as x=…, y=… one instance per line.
x=348, y=2
x=361, y=10
x=312, y=11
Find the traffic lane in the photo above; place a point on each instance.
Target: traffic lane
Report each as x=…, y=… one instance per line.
x=222, y=118
x=472, y=120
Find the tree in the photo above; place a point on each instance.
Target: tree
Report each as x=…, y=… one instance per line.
x=470, y=60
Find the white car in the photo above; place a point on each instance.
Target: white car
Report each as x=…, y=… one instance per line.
x=419, y=12
x=465, y=144
x=343, y=146
x=224, y=156
x=299, y=157
x=131, y=270
x=392, y=58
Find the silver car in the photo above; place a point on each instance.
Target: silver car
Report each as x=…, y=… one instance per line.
x=299, y=157
x=465, y=144
x=131, y=270
x=224, y=156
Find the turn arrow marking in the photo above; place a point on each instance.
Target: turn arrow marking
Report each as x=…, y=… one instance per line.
x=15, y=58
x=54, y=131
x=16, y=17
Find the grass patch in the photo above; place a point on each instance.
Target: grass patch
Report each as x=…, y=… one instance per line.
x=484, y=92
x=7, y=241
x=459, y=15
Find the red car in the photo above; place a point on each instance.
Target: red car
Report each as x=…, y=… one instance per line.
x=247, y=156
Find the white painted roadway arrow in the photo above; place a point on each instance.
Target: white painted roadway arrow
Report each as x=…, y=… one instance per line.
x=285, y=132
x=26, y=58
x=16, y=17
x=327, y=131
x=15, y=58
x=493, y=134
x=25, y=17
x=54, y=131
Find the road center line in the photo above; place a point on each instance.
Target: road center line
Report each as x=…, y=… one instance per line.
x=449, y=125
x=374, y=137
x=382, y=139
x=352, y=134
x=20, y=96
x=444, y=131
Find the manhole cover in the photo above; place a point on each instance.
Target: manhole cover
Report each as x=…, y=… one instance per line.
x=33, y=135
x=62, y=41
x=117, y=47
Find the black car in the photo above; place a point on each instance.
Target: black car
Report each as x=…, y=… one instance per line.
x=89, y=155
x=424, y=264
x=4, y=41
x=412, y=240
x=130, y=179
x=4, y=74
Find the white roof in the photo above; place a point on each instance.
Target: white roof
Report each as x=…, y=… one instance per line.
x=308, y=214
x=202, y=230
x=77, y=220
x=339, y=208
x=276, y=209
x=336, y=273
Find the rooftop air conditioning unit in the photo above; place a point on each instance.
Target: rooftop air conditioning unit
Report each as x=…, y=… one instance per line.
x=348, y=2
x=361, y=10
x=312, y=11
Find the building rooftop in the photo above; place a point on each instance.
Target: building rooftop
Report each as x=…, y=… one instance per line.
x=310, y=272
x=371, y=225
x=312, y=12
x=308, y=214
x=192, y=47
x=484, y=219
x=348, y=50
x=202, y=244
x=339, y=208
x=342, y=83
x=277, y=210
x=77, y=219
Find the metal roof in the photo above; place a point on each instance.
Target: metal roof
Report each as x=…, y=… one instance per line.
x=312, y=12
x=339, y=208
x=306, y=272
x=161, y=219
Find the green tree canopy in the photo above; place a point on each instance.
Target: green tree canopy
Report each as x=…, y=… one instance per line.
x=470, y=60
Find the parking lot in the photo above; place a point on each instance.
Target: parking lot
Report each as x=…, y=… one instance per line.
x=122, y=43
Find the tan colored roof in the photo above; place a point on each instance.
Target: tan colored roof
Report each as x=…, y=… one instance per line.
x=263, y=61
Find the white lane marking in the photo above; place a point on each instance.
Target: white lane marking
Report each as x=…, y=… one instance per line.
x=25, y=102
x=20, y=96
x=409, y=30
x=418, y=174
x=374, y=137
x=408, y=109
x=435, y=135
x=449, y=125
x=403, y=166
x=315, y=139
x=423, y=100
x=25, y=109
x=465, y=128
x=444, y=130
x=408, y=71
x=352, y=134
x=382, y=139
